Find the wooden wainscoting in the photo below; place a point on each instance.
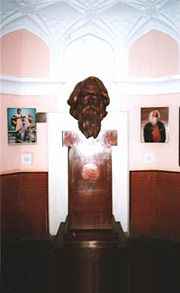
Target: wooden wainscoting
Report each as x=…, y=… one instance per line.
x=24, y=205
x=155, y=203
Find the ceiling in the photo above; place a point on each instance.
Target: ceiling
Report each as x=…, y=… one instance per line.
x=115, y=20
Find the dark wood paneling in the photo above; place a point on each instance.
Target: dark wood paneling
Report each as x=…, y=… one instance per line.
x=155, y=203
x=10, y=220
x=24, y=205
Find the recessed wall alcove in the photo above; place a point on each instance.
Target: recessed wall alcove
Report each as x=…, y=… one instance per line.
x=154, y=54
x=88, y=55
x=24, y=55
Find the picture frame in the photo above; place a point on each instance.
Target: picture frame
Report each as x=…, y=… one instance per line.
x=21, y=126
x=155, y=125
x=41, y=117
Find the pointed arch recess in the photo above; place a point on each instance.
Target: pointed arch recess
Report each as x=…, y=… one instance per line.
x=154, y=54
x=24, y=54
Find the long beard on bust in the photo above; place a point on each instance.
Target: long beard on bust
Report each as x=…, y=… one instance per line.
x=90, y=125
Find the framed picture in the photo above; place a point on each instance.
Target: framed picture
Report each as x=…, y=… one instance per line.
x=41, y=117
x=155, y=125
x=21, y=126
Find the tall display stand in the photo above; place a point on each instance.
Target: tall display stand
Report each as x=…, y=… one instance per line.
x=90, y=254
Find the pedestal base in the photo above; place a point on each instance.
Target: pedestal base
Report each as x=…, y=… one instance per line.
x=91, y=261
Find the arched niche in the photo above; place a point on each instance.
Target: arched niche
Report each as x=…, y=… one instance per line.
x=24, y=55
x=154, y=54
x=86, y=56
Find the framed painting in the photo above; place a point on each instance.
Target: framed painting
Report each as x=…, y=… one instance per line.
x=21, y=126
x=155, y=125
x=41, y=117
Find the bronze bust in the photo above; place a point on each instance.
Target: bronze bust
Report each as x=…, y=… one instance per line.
x=88, y=103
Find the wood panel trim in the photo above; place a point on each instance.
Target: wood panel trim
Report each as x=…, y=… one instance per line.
x=155, y=203
x=24, y=205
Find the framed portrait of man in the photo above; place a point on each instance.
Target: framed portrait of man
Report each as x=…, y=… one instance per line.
x=21, y=126
x=155, y=125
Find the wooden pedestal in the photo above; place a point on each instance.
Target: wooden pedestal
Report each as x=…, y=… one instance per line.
x=90, y=180
x=90, y=261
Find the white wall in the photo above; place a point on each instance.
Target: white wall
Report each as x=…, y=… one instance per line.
x=58, y=167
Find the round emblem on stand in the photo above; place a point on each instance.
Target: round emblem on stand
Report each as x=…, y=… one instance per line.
x=90, y=172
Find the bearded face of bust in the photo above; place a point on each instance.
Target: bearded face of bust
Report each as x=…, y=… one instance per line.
x=90, y=125
x=88, y=104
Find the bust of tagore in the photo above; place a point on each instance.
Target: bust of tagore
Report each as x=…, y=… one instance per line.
x=88, y=103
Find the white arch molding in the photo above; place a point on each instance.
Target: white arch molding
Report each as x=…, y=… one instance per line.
x=107, y=21
x=86, y=56
x=148, y=27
